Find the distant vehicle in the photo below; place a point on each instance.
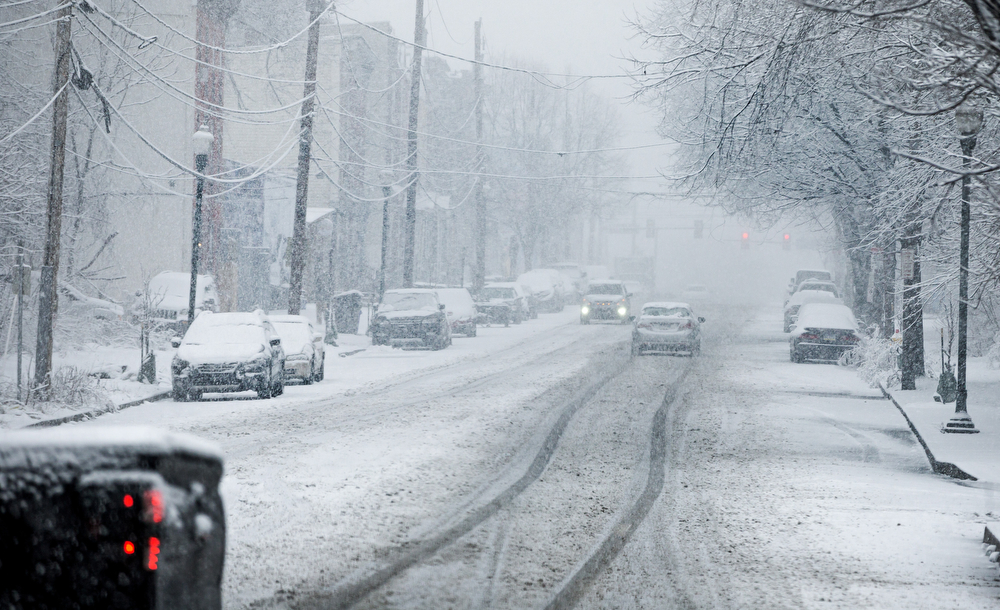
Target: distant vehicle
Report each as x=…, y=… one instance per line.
x=819, y=285
x=168, y=296
x=228, y=352
x=812, y=274
x=503, y=303
x=823, y=332
x=576, y=279
x=460, y=309
x=411, y=318
x=803, y=297
x=606, y=300
x=545, y=296
x=695, y=293
x=72, y=299
x=305, y=355
x=667, y=327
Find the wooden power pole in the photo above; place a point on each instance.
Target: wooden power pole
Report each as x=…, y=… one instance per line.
x=477, y=72
x=299, y=245
x=411, y=150
x=47, y=295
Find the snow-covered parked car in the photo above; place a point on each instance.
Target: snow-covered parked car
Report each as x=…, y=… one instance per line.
x=824, y=331
x=606, y=300
x=803, y=297
x=411, y=318
x=73, y=300
x=543, y=293
x=305, y=356
x=167, y=297
x=503, y=303
x=667, y=327
x=228, y=352
x=460, y=309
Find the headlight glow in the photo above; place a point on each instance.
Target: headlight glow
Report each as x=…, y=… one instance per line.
x=585, y=310
x=622, y=311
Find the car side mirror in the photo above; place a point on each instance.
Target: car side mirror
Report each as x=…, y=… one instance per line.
x=441, y=306
x=275, y=342
x=701, y=319
x=175, y=342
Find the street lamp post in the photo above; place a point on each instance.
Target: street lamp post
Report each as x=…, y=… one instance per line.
x=969, y=120
x=386, y=177
x=202, y=140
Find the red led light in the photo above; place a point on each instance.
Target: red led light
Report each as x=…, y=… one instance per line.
x=128, y=501
x=154, y=505
x=129, y=547
x=746, y=236
x=787, y=236
x=154, y=553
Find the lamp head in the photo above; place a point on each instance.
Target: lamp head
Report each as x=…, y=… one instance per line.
x=968, y=119
x=202, y=140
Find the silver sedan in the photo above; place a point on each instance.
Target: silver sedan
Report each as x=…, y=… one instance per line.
x=667, y=327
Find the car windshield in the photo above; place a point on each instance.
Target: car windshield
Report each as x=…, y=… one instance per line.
x=498, y=292
x=816, y=286
x=605, y=289
x=207, y=331
x=673, y=312
x=405, y=301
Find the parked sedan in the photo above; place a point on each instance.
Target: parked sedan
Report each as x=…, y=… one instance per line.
x=228, y=352
x=502, y=303
x=823, y=332
x=304, y=350
x=667, y=327
x=460, y=309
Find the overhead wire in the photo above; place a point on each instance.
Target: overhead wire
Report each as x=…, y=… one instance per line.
x=37, y=114
x=36, y=15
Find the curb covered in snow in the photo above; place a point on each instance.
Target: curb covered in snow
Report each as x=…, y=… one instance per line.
x=945, y=468
x=48, y=423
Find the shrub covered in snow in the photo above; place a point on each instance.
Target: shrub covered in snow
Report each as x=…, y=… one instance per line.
x=72, y=388
x=875, y=359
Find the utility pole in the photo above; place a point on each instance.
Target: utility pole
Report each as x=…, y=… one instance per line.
x=411, y=150
x=299, y=239
x=47, y=295
x=477, y=72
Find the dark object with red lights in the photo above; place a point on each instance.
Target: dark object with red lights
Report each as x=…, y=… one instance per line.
x=110, y=518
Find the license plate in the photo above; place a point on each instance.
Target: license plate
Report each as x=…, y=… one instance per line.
x=830, y=336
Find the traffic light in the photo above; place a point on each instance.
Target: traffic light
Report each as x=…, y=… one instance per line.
x=699, y=228
x=745, y=242
x=786, y=243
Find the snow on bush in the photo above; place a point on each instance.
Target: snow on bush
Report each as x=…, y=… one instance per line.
x=72, y=388
x=875, y=359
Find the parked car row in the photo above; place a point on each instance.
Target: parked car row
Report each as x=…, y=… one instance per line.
x=821, y=327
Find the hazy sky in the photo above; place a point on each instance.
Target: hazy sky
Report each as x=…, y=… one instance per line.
x=581, y=36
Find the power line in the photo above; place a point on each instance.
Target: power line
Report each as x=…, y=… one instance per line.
x=533, y=73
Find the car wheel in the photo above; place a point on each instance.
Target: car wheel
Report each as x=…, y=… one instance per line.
x=308, y=379
x=266, y=389
x=194, y=396
x=320, y=373
x=696, y=349
x=179, y=395
x=472, y=333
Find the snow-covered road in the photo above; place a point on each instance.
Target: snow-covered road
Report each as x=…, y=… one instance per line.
x=539, y=465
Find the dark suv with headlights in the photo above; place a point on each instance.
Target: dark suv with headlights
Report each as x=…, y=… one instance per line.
x=413, y=318
x=228, y=352
x=606, y=300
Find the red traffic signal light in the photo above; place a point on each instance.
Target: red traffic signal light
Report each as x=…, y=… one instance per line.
x=786, y=243
x=746, y=240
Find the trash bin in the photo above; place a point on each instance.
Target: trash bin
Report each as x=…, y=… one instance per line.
x=110, y=518
x=347, y=309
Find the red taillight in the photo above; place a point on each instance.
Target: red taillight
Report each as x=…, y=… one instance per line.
x=645, y=325
x=128, y=501
x=154, y=505
x=809, y=336
x=850, y=338
x=129, y=547
x=687, y=325
x=154, y=553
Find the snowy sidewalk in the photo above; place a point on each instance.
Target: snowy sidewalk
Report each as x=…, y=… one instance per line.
x=974, y=454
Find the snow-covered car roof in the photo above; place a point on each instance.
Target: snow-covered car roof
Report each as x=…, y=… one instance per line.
x=665, y=304
x=813, y=296
x=142, y=438
x=289, y=319
x=826, y=315
x=457, y=301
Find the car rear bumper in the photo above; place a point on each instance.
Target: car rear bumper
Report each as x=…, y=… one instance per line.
x=667, y=341
x=298, y=369
x=829, y=352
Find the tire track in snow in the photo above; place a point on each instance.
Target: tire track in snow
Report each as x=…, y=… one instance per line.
x=349, y=594
x=577, y=584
